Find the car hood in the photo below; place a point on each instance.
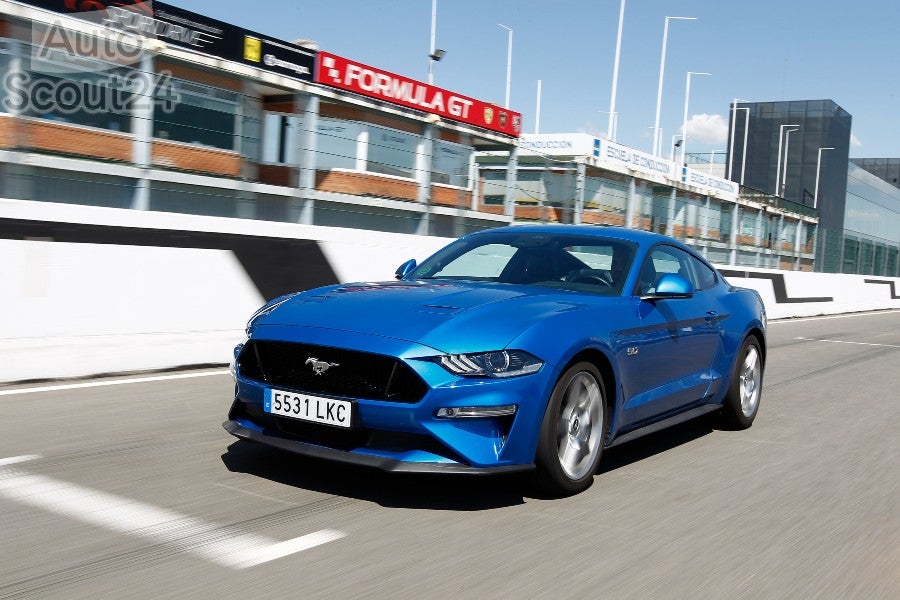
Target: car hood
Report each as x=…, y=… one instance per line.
x=451, y=317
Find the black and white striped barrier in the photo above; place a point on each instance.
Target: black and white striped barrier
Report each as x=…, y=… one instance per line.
x=90, y=290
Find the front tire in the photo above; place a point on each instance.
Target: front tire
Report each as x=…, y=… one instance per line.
x=745, y=389
x=573, y=431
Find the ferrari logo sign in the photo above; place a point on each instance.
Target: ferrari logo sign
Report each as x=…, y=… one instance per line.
x=488, y=115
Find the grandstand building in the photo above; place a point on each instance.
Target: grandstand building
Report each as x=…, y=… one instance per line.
x=150, y=107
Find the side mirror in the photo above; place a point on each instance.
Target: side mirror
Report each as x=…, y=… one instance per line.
x=405, y=269
x=671, y=285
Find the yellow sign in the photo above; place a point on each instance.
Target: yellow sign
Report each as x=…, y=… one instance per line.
x=252, y=49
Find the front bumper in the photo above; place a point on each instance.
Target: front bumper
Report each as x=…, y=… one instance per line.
x=405, y=436
x=240, y=430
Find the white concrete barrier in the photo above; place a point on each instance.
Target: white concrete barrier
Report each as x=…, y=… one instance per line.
x=88, y=290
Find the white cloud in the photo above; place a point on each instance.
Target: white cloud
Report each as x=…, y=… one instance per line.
x=855, y=142
x=711, y=129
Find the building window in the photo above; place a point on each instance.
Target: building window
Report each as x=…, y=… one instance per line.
x=196, y=114
x=450, y=163
x=336, y=144
x=604, y=195
x=493, y=187
x=279, y=131
x=392, y=152
x=68, y=89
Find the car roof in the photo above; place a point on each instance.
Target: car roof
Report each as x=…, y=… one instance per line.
x=620, y=233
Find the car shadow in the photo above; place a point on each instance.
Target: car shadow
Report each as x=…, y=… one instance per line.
x=655, y=443
x=435, y=492
x=393, y=490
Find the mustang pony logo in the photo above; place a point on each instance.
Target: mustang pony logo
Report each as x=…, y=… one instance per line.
x=320, y=366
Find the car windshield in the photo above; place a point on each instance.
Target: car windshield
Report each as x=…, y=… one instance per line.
x=566, y=261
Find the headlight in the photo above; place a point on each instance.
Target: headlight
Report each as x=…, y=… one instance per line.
x=501, y=363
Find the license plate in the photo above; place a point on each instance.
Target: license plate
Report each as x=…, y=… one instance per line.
x=308, y=408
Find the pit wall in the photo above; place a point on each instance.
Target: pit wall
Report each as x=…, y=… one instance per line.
x=90, y=290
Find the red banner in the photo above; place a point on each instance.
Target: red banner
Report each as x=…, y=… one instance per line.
x=352, y=76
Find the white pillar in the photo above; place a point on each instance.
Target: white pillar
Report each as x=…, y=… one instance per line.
x=670, y=213
x=512, y=167
x=424, y=153
x=142, y=132
x=362, y=150
x=630, y=206
x=732, y=242
x=307, y=141
x=579, y=193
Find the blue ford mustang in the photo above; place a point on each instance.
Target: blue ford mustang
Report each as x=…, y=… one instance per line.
x=525, y=347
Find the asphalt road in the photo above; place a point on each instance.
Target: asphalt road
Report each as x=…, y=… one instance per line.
x=135, y=491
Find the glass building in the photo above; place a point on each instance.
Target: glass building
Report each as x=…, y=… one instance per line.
x=799, y=151
x=870, y=243
x=887, y=169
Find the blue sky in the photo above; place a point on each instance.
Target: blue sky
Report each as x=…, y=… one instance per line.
x=758, y=50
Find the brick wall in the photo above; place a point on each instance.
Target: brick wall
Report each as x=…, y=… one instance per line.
x=277, y=175
x=450, y=197
x=683, y=231
x=599, y=217
x=351, y=113
x=193, y=158
x=279, y=106
x=449, y=136
x=61, y=138
x=180, y=71
x=7, y=132
x=360, y=184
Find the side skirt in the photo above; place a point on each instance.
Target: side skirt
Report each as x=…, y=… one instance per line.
x=665, y=423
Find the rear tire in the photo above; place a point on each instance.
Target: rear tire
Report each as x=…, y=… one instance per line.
x=573, y=431
x=745, y=389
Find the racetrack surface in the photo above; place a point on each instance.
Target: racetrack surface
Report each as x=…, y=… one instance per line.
x=134, y=490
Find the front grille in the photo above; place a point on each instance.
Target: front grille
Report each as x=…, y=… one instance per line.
x=341, y=439
x=360, y=375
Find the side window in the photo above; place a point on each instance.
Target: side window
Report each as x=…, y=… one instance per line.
x=664, y=259
x=704, y=277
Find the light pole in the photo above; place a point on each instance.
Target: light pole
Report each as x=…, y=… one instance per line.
x=613, y=124
x=674, y=145
x=787, y=145
x=508, y=61
x=778, y=163
x=734, y=109
x=431, y=53
x=687, y=96
x=662, y=68
x=537, y=111
x=818, y=167
x=611, y=127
